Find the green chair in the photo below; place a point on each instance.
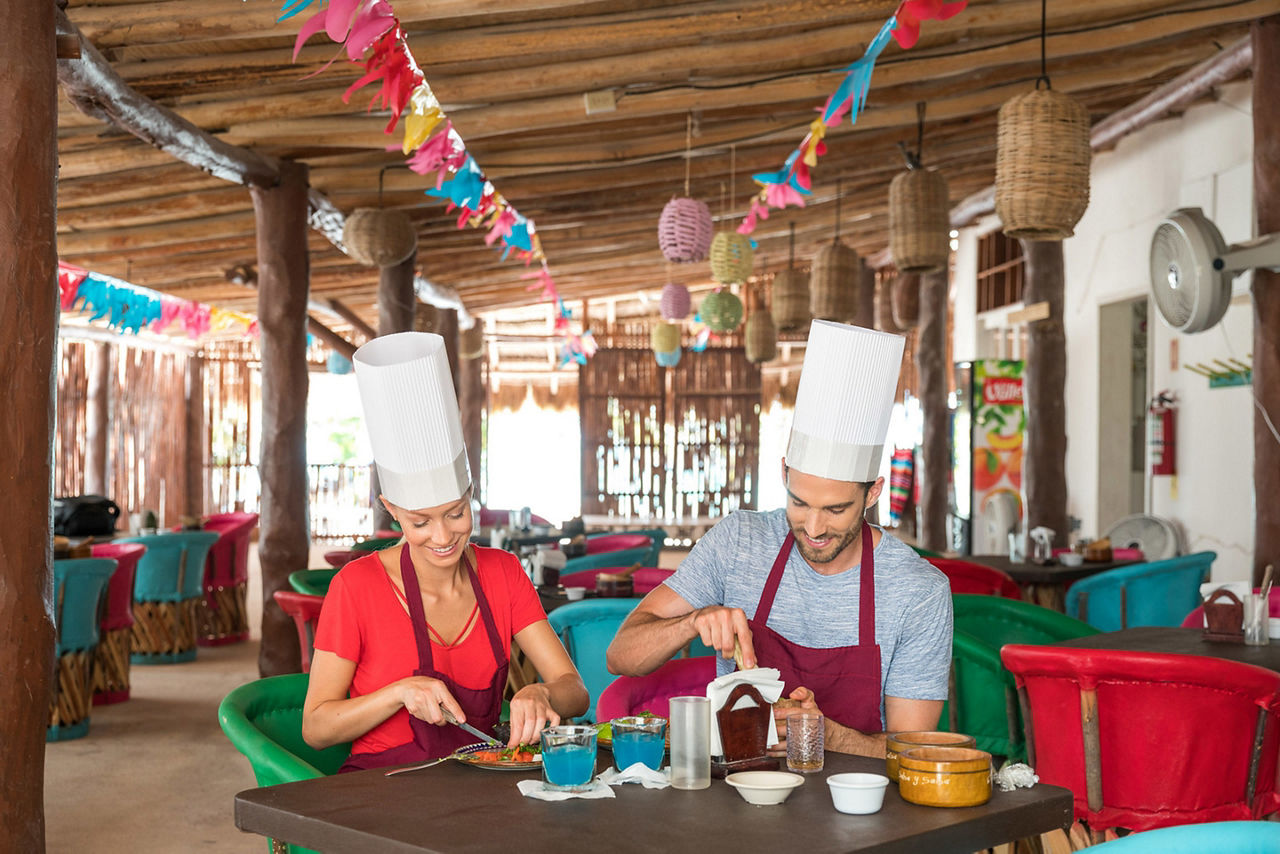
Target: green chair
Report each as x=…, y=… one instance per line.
x=263, y=720
x=313, y=582
x=622, y=558
x=657, y=535
x=374, y=544
x=983, y=697
x=78, y=586
x=923, y=552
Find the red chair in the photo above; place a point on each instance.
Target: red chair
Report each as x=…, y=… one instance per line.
x=617, y=542
x=341, y=557
x=305, y=611
x=111, y=657
x=489, y=518
x=967, y=577
x=679, y=677
x=224, y=618
x=1195, y=620
x=1147, y=740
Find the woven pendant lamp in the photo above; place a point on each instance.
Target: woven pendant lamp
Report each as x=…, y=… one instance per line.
x=919, y=221
x=664, y=337
x=791, y=293
x=685, y=226
x=833, y=283
x=1042, y=161
x=425, y=317
x=721, y=311
x=669, y=359
x=731, y=258
x=378, y=237
x=471, y=341
x=761, y=336
x=884, y=305
x=906, y=301
x=675, y=302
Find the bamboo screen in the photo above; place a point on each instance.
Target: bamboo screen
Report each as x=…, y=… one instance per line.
x=716, y=410
x=69, y=418
x=622, y=405
x=232, y=395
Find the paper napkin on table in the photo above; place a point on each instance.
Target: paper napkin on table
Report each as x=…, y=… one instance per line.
x=636, y=772
x=536, y=789
x=1240, y=588
x=765, y=680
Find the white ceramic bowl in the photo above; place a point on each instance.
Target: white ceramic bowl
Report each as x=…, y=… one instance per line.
x=857, y=794
x=1070, y=559
x=764, y=788
x=575, y=593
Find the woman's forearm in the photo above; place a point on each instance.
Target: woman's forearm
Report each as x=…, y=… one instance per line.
x=567, y=695
x=338, y=721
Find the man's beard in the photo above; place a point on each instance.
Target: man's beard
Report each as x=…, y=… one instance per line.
x=828, y=553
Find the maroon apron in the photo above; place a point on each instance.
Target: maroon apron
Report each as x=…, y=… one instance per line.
x=845, y=680
x=482, y=707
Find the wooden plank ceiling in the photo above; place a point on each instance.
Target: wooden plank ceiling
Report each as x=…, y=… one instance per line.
x=512, y=73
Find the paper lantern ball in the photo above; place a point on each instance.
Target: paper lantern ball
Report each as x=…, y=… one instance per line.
x=669, y=359
x=675, y=302
x=721, y=311
x=338, y=364
x=731, y=257
x=684, y=230
x=378, y=237
x=665, y=337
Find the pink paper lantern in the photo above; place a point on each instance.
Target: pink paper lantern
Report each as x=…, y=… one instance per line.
x=684, y=230
x=675, y=302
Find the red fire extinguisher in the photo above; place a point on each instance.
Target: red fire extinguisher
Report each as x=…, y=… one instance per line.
x=1162, y=437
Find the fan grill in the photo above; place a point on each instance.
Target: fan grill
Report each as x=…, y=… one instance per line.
x=1173, y=273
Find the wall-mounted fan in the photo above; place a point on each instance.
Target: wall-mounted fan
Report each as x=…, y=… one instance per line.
x=1192, y=268
x=1157, y=538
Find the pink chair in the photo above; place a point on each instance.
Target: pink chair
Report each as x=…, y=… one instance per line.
x=1195, y=620
x=111, y=658
x=489, y=518
x=968, y=577
x=223, y=617
x=630, y=695
x=341, y=557
x=617, y=542
x=643, y=579
x=305, y=611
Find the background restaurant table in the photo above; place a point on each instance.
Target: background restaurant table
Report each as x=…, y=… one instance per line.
x=454, y=808
x=1179, y=640
x=1046, y=584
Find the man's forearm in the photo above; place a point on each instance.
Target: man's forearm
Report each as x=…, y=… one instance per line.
x=843, y=739
x=646, y=641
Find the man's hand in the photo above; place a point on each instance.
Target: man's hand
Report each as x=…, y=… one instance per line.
x=800, y=700
x=720, y=627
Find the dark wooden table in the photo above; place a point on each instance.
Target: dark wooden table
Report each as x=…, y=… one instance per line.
x=1046, y=584
x=453, y=808
x=1179, y=640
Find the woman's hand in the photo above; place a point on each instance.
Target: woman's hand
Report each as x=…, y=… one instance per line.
x=806, y=703
x=426, y=698
x=531, y=712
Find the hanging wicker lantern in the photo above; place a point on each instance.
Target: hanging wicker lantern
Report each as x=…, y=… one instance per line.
x=675, y=302
x=791, y=299
x=668, y=359
x=1042, y=165
x=664, y=337
x=906, y=301
x=337, y=363
x=833, y=284
x=378, y=237
x=471, y=342
x=721, y=311
x=425, y=317
x=919, y=221
x=684, y=230
x=731, y=257
x=761, y=337
x=884, y=305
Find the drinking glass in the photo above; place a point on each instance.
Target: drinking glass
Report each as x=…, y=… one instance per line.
x=639, y=740
x=690, y=742
x=805, y=742
x=1256, y=620
x=568, y=757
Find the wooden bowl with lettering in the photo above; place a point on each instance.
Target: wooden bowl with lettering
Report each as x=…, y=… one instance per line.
x=896, y=742
x=945, y=776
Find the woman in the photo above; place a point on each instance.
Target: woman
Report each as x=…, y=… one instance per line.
x=424, y=628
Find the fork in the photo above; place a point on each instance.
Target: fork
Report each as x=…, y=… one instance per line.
x=395, y=771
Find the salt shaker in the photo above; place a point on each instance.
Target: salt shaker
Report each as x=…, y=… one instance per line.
x=690, y=730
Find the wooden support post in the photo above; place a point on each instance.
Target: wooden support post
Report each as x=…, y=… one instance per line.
x=1044, y=462
x=866, y=315
x=447, y=327
x=29, y=311
x=396, y=305
x=471, y=401
x=1266, y=294
x=935, y=454
x=97, y=419
x=193, y=500
x=335, y=341
x=283, y=281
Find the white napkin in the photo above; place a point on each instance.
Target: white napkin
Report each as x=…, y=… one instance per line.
x=1240, y=588
x=636, y=772
x=765, y=680
x=1015, y=775
x=536, y=789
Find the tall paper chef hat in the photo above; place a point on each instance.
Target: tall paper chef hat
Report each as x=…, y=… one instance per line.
x=411, y=414
x=847, y=386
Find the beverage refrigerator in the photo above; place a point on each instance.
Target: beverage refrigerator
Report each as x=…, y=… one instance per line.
x=987, y=425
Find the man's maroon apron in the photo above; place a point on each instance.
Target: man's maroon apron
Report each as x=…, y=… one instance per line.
x=482, y=707
x=845, y=680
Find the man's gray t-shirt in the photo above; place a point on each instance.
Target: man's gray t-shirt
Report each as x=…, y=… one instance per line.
x=730, y=564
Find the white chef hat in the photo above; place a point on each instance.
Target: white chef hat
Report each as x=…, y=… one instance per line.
x=844, y=401
x=411, y=413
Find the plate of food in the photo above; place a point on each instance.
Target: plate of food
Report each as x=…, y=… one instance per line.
x=525, y=757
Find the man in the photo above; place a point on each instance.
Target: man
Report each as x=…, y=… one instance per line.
x=858, y=625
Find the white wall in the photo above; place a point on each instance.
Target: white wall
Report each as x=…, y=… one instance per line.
x=1204, y=159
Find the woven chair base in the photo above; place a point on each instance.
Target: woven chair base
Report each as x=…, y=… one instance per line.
x=111, y=667
x=69, y=711
x=227, y=621
x=164, y=632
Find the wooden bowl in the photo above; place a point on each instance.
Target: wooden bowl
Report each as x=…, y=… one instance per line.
x=945, y=776
x=896, y=742
x=1097, y=555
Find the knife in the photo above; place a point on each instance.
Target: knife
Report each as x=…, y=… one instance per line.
x=487, y=739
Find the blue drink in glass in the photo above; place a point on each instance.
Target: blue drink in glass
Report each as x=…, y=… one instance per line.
x=568, y=757
x=638, y=739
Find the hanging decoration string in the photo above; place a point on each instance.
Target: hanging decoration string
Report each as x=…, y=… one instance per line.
x=839, y=193
x=688, y=145
x=1044, y=24
x=791, y=258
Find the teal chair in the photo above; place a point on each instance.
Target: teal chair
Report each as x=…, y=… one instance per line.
x=263, y=720
x=313, y=582
x=621, y=558
x=982, y=699
x=78, y=587
x=168, y=587
x=1160, y=593
x=657, y=536
x=1238, y=837
x=586, y=629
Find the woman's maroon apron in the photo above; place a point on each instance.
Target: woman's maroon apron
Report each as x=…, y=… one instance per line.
x=482, y=707
x=845, y=680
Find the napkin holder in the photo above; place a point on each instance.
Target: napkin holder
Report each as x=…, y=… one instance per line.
x=744, y=734
x=1224, y=617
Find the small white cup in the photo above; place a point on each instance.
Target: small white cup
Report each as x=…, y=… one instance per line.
x=857, y=794
x=575, y=593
